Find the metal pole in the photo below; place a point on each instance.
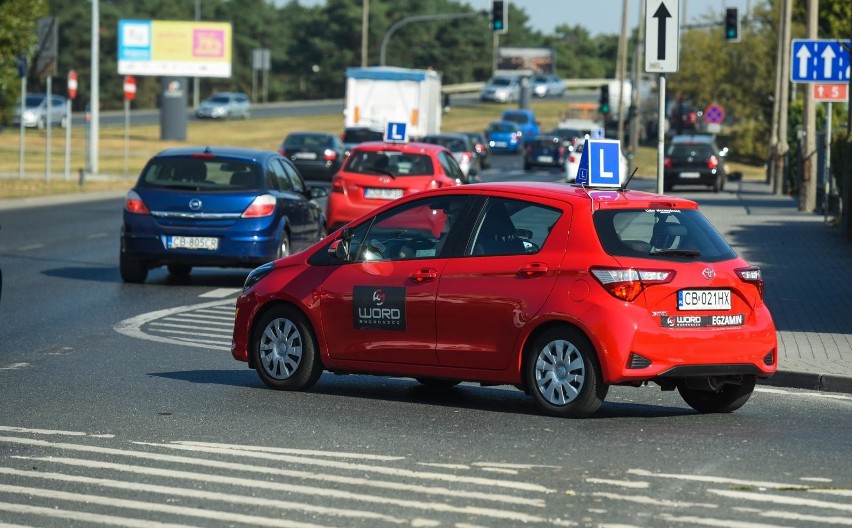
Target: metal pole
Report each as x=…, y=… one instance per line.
x=23, y=128
x=68, y=139
x=94, y=105
x=126, y=132
x=47, y=127
x=783, y=146
x=808, y=177
x=622, y=67
x=826, y=183
x=661, y=133
x=195, y=81
x=634, y=96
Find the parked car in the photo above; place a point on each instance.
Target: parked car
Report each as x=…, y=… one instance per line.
x=501, y=89
x=547, y=86
x=36, y=114
x=225, y=105
x=354, y=136
x=694, y=160
x=573, y=163
x=377, y=172
x=463, y=149
x=504, y=136
x=216, y=206
x=541, y=286
x=544, y=151
x=525, y=120
x=483, y=150
x=315, y=154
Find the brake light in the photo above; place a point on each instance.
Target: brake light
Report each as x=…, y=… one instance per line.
x=337, y=185
x=561, y=151
x=752, y=275
x=203, y=155
x=329, y=155
x=480, y=148
x=627, y=283
x=572, y=158
x=133, y=204
x=283, y=152
x=261, y=206
x=668, y=163
x=713, y=162
x=466, y=157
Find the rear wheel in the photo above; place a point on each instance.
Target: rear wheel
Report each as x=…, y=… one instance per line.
x=562, y=373
x=727, y=398
x=283, y=247
x=132, y=270
x=179, y=270
x=285, y=351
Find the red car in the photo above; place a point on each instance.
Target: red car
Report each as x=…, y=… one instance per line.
x=556, y=289
x=377, y=172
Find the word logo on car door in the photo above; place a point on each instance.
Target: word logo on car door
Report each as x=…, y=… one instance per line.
x=379, y=308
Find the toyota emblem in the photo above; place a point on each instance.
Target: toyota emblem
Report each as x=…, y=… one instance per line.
x=708, y=273
x=384, y=179
x=195, y=204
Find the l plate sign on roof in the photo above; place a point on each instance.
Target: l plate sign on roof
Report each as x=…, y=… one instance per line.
x=600, y=163
x=396, y=133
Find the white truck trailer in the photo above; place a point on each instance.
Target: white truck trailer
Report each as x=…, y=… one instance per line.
x=376, y=96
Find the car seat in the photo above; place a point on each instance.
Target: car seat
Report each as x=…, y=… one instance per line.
x=243, y=180
x=497, y=234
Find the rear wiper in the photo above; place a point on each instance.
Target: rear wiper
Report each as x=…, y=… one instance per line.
x=381, y=171
x=676, y=252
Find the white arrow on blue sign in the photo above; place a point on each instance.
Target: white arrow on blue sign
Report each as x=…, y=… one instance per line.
x=396, y=133
x=819, y=61
x=600, y=163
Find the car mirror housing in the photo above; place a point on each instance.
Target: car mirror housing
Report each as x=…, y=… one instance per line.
x=318, y=192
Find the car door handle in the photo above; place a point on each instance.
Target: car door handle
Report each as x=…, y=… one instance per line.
x=423, y=275
x=532, y=269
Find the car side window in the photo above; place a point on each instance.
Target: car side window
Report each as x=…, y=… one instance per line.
x=275, y=177
x=416, y=230
x=293, y=176
x=512, y=227
x=451, y=167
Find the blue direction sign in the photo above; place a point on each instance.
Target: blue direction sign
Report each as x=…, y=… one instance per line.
x=819, y=61
x=600, y=163
x=396, y=133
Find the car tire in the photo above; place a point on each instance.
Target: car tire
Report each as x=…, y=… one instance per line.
x=717, y=185
x=437, y=382
x=284, y=349
x=727, y=399
x=562, y=373
x=179, y=270
x=283, y=247
x=132, y=270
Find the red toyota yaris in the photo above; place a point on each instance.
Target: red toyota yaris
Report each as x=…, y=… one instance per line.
x=556, y=289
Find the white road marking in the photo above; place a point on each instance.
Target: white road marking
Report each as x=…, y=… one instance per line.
x=813, y=394
x=31, y=247
x=781, y=499
x=309, y=452
x=40, y=431
x=650, y=501
x=99, y=235
x=791, y=516
x=221, y=292
x=15, y=366
x=691, y=520
x=71, y=515
x=718, y=480
x=619, y=483
x=133, y=327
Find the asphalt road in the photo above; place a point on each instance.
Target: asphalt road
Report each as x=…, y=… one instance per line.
x=122, y=406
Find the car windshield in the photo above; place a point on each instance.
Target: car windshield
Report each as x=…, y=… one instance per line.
x=669, y=234
x=502, y=127
x=362, y=135
x=389, y=163
x=694, y=150
x=220, y=99
x=501, y=82
x=34, y=100
x=201, y=174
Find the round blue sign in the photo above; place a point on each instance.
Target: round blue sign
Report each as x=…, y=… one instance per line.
x=714, y=114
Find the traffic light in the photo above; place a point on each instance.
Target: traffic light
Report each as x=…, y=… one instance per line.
x=732, y=24
x=499, y=16
x=604, y=107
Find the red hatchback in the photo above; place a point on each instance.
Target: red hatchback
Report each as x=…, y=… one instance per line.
x=376, y=173
x=556, y=289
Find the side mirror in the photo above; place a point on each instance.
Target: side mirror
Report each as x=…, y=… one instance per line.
x=318, y=192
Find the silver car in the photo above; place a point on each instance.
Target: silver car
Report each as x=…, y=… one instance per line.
x=36, y=113
x=225, y=105
x=501, y=90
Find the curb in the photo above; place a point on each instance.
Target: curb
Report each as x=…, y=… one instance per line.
x=809, y=381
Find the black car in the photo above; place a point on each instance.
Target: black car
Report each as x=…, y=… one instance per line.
x=216, y=206
x=544, y=151
x=317, y=155
x=354, y=136
x=694, y=160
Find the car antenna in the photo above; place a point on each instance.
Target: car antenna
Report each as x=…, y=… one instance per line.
x=632, y=174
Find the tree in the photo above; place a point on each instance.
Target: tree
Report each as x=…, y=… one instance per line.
x=17, y=37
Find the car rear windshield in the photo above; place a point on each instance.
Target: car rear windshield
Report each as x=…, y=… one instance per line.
x=453, y=144
x=666, y=234
x=201, y=174
x=691, y=150
x=362, y=135
x=389, y=163
x=502, y=127
x=517, y=118
x=307, y=140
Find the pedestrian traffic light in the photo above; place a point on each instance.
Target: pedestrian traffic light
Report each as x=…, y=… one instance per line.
x=604, y=106
x=499, y=16
x=732, y=24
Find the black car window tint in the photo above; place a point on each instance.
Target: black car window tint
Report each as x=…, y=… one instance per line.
x=283, y=182
x=296, y=181
x=513, y=227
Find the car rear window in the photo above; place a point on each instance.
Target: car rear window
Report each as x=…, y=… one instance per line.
x=307, y=140
x=201, y=173
x=502, y=128
x=453, y=144
x=669, y=234
x=695, y=150
x=517, y=118
x=389, y=163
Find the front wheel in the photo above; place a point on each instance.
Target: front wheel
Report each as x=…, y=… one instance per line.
x=727, y=399
x=285, y=350
x=562, y=373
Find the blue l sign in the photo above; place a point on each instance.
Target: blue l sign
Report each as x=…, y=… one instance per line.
x=396, y=133
x=819, y=61
x=600, y=163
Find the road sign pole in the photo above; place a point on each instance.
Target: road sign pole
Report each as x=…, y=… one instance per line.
x=67, y=139
x=827, y=183
x=126, y=131
x=47, y=128
x=23, y=108
x=661, y=133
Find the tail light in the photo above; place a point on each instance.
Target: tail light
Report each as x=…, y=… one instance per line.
x=627, y=283
x=668, y=163
x=329, y=155
x=133, y=204
x=466, y=157
x=713, y=162
x=480, y=148
x=263, y=205
x=337, y=185
x=282, y=152
x=561, y=151
x=572, y=158
x=752, y=275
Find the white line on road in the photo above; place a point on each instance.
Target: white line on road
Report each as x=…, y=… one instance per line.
x=72, y=515
x=221, y=292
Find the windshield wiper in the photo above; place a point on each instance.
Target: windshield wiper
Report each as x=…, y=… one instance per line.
x=676, y=252
x=380, y=171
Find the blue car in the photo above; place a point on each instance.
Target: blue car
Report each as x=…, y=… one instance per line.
x=216, y=206
x=504, y=136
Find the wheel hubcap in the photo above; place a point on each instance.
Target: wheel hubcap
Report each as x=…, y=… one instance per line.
x=559, y=372
x=281, y=348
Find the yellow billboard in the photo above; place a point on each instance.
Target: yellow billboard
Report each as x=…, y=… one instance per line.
x=174, y=48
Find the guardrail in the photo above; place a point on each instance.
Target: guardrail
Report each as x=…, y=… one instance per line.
x=473, y=87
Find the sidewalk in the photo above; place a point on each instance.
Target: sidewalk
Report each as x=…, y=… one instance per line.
x=807, y=269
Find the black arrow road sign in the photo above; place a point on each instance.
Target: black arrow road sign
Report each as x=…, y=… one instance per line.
x=661, y=15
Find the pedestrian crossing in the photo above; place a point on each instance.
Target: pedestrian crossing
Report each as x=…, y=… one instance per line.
x=62, y=478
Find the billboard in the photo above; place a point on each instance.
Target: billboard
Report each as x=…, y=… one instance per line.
x=526, y=61
x=174, y=48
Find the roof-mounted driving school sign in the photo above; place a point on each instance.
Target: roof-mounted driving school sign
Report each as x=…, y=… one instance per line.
x=396, y=133
x=600, y=163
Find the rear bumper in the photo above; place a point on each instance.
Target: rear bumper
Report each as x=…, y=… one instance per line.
x=705, y=177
